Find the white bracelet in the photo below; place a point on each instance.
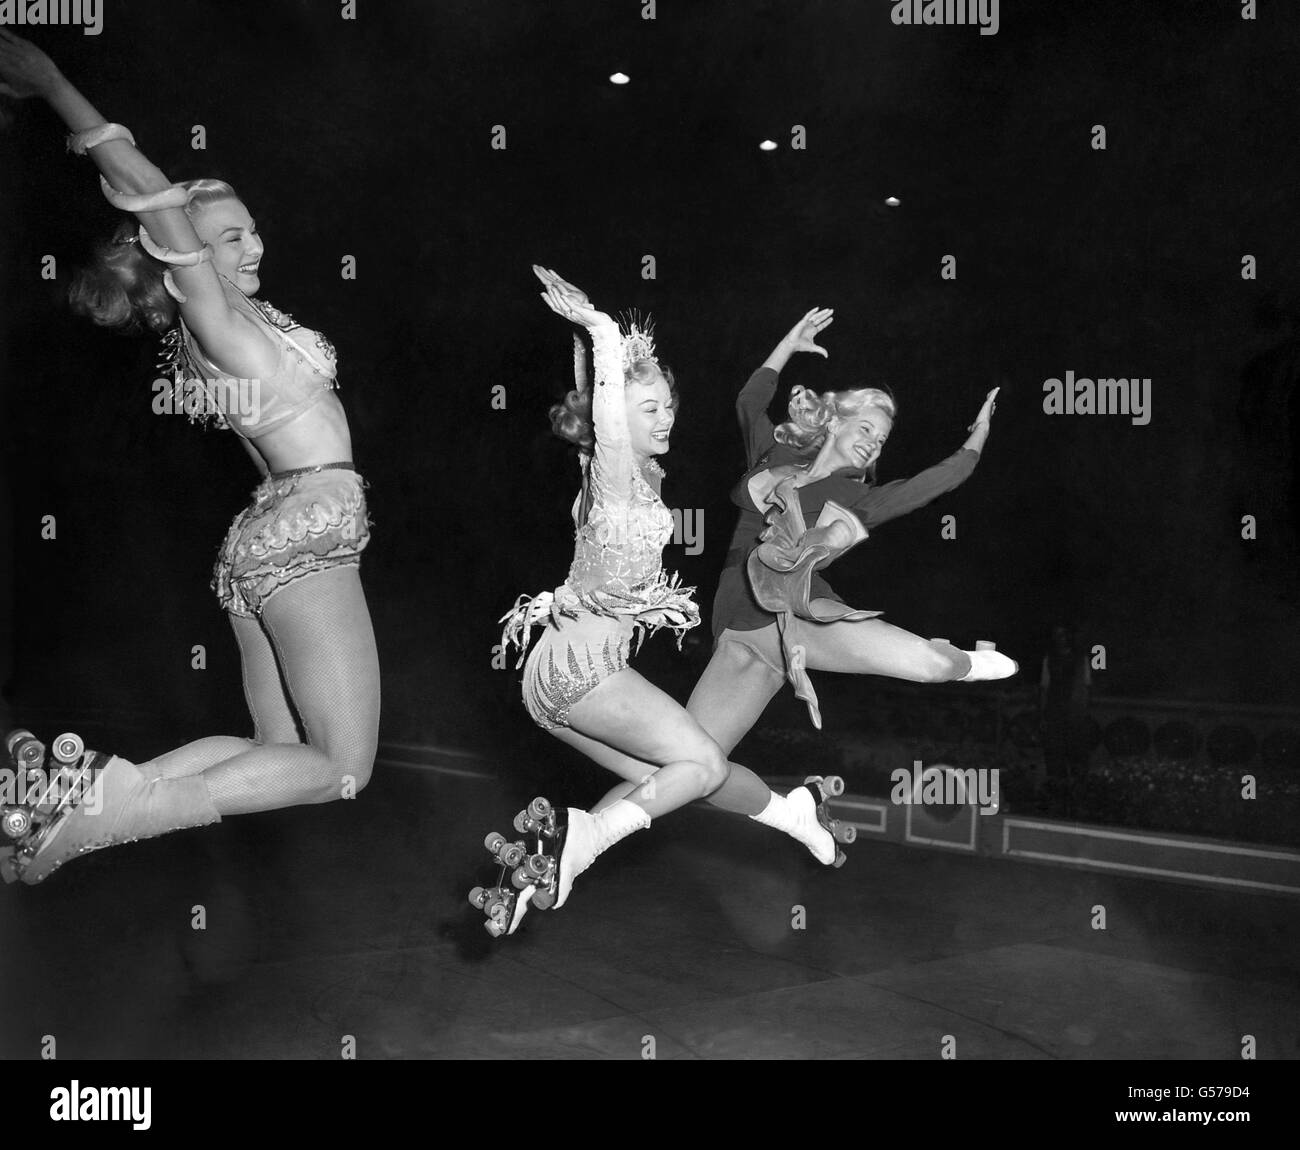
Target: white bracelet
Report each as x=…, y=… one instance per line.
x=173, y=197
x=170, y=255
x=81, y=142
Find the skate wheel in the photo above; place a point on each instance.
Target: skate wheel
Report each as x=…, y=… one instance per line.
x=494, y=928
x=68, y=748
x=27, y=752
x=8, y=867
x=537, y=865
x=523, y=824
x=17, y=822
x=846, y=835
x=985, y=645
x=478, y=898
x=494, y=842
x=521, y=878
x=833, y=786
x=16, y=736
x=840, y=858
x=539, y=808
x=513, y=855
x=544, y=899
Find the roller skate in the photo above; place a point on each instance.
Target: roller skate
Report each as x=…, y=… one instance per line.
x=529, y=864
x=566, y=843
x=82, y=800
x=46, y=793
x=802, y=814
x=582, y=837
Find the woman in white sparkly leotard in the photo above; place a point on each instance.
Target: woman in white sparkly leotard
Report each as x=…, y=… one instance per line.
x=577, y=682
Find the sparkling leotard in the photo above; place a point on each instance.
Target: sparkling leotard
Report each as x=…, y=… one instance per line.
x=617, y=588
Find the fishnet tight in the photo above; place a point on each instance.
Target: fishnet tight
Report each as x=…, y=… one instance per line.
x=311, y=678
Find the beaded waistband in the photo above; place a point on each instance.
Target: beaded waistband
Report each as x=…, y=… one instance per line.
x=349, y=466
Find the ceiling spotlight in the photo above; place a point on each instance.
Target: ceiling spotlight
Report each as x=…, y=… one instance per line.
x=767, y=146
x=892, y=202
x=620, y=78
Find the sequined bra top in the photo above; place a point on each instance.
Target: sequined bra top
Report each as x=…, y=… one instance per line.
x=618, y=551
x=305, y=371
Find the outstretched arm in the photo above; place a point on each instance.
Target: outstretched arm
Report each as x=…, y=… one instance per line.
x=234, y=341
x=756, y=396
x=878, y=505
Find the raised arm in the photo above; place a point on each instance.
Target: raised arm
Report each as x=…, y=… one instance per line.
x=756, y=396
x=134, y=184
x=876, y=505
x=613, y=465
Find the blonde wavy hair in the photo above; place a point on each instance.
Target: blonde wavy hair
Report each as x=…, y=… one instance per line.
x=811, y=414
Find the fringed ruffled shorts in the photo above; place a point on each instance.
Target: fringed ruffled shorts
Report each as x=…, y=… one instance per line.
x=580, y=647
x=299, y=523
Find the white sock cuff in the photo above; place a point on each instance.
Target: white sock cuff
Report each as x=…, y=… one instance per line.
x=774, y=814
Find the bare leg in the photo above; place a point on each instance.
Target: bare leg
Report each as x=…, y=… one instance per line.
x=633, y=717
x=728, y=700
x=738, y=684
x=874, y=647
x=625, y=766
x=630, y=716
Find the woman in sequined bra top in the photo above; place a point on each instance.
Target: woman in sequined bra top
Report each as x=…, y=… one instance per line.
x=187, y=268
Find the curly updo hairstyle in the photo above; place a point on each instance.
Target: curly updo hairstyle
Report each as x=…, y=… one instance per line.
x=571, y=419
x=123, y=285
x=811, y=415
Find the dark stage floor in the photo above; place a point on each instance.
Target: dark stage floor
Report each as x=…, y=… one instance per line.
x=351, y=920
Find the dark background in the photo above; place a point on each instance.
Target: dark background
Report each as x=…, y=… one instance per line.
x=371, y=138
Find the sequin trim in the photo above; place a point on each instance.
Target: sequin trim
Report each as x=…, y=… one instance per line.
x=177, y=361
x=555, y=690
x=295, y=526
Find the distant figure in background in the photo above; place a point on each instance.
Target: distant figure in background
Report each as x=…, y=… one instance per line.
x=1063, y=691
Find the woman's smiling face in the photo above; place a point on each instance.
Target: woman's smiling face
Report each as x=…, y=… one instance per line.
x=856, y=441
x=236, y=246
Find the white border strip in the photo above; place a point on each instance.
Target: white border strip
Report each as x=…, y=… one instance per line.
x=1149, y=840
x=1155, y=872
